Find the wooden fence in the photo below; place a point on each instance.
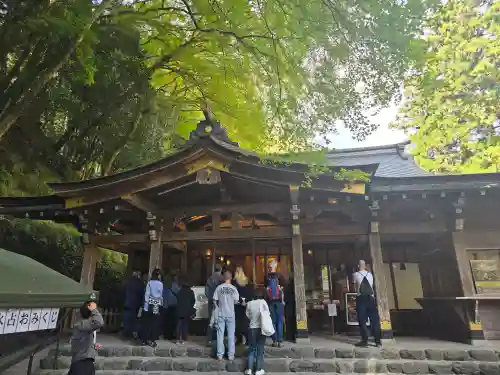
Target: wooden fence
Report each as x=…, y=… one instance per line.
x=112, y=320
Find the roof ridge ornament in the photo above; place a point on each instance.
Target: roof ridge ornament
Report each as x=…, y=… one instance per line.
x=209, y=127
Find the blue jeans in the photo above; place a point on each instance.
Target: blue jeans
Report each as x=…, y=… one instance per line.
x=222, y=324
x=256, y=343
x=276, y=309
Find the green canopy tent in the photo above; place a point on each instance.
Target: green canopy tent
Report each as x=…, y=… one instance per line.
x=25, y=283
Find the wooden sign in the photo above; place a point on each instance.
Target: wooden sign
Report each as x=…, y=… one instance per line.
x=351, y=314
x=27, y=320
x=486, y=276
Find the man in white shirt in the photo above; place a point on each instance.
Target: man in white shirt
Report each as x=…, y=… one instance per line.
x=225, y=296
x=366, y=306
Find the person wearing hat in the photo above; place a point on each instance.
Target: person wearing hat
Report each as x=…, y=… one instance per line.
x=366, y=306
x=83, y=340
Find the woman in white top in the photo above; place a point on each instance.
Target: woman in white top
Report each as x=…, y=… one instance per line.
x=256, y=340
x=153, y=302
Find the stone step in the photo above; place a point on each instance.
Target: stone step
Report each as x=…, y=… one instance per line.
x=131, y=372
x=306, y=352
x=284, y=365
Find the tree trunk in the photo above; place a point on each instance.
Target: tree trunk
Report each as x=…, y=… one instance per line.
x=108, y=164
x=12, y=111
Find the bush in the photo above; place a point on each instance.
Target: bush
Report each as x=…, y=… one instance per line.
x=59, y=247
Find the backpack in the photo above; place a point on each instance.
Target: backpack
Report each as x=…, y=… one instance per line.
x=274, y=289
x=365, y=289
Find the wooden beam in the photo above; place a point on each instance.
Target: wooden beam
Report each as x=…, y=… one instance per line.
x=118, y=239
x=252, y=208
x=216, y=221
x=309, y=232
x=235, y=220
x=413, y=228
x=139, y=202
x=275, y=233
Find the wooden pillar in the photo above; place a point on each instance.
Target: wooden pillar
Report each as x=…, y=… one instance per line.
x=381, y=284
x=461, y=244
x=254, y=260
x=130, y=263
x=155, y=255
x=156, y=246
x=184, y=262
x=89, y=262
x=460, y=247
x=298, y=269
x=463, y=264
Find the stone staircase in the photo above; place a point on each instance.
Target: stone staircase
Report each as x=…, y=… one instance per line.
x=171, y=359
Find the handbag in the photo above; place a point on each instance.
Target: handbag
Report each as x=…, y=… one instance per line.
x=266, y=323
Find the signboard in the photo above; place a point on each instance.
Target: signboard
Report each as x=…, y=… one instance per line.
x=351, y=315
x=332, y=309
x=486, y=276
x=325, y=278
x=27, y=320
x=201, y=302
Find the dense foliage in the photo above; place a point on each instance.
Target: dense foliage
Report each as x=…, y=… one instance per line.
x=453, y=94
x=92, y=87
x=59, y=247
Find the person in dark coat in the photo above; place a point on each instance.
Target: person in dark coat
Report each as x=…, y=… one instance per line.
x=134, y=298
x=185, y=311
x=212, y=283
x=170, y=308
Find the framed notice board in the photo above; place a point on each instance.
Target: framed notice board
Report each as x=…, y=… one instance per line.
x=486, y=276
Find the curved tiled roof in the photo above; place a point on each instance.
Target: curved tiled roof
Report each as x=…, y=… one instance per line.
x=393, y=160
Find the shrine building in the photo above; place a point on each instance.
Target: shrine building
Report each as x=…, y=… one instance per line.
x=432, y=241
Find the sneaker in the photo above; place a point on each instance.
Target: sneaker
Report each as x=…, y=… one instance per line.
x=280, y=344
x=275, y=344
x=230, y=358
x=248, y=372
x=361, y=344
x=260, y=372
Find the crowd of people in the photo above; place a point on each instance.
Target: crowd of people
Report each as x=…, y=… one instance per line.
x=153, y=309
x=245, y=313
x=236, y=308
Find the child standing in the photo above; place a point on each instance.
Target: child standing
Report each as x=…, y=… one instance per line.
x=256, y=339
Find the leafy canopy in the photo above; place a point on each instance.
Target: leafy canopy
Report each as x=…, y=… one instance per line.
x=89, y=88
x=278, y=71
x=453, y=94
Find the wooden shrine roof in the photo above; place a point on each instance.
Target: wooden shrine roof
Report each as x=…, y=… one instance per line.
x=393, y=160
x=237, y=175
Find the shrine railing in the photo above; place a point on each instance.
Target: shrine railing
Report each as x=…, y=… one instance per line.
x=112, y=320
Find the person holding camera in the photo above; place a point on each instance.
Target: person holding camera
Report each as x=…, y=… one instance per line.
x=83, y=341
